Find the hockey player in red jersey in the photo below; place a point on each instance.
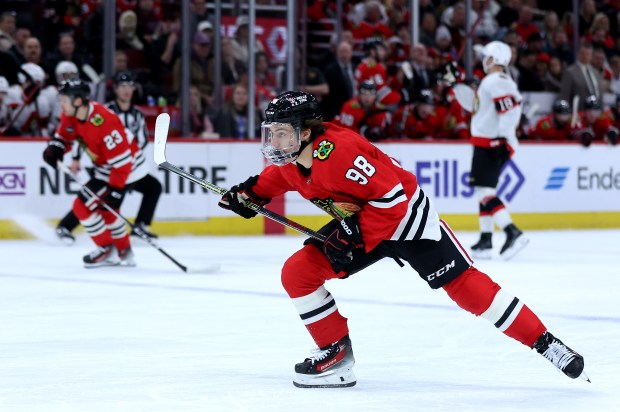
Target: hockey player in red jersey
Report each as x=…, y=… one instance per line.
x=494, y=126
x=554, y=126
x=117, y=162
x=379, y=211
x=372, y=68
x=593, y=124
x=363, y=114
x=417, y=120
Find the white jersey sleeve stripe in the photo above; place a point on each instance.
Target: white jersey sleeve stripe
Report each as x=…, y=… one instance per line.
x=391, y=198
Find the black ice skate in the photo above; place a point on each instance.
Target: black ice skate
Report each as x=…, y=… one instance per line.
x=141, y=227
x=65, y=236
x=564, y=358
x=329, y=367
x=515, y=241
x=102, y=256
x=484, y=247
x=126, y=257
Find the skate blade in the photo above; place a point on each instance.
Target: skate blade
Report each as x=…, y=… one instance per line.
x=66, y=241
x=585, y=377
x=481, y=254
x=519, y=244
x=101, y=265
x=344, y=378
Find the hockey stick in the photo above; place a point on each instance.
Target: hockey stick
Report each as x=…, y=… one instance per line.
x=162, y=125
x=138, y=230
x=573, y=121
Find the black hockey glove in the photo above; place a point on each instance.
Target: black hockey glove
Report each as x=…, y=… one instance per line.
x=340, y=244
x=54, y=152
x=113, y=197
x=235, y=198
x=586, y=137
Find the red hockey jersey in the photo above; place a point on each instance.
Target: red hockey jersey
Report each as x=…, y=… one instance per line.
x=348, y=170
x=105, y=140
x=547, y=129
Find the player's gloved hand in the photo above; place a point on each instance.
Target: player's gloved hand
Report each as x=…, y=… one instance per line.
x=54, y=152
x=235, y=198
x=347, y=236
x=586, y=137
x=612, y=137
x=113, y=197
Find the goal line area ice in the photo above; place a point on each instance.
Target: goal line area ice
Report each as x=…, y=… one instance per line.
x=152, y=338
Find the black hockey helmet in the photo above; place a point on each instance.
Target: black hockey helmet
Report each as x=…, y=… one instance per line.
x=592, y=103
x=293, y=107
x=561, y=106
x=367, y=85
x=425, y=96
x=75, y=88
x=124, y=77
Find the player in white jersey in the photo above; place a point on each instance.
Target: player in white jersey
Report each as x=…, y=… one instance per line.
x=29, y=109
x=494, y=123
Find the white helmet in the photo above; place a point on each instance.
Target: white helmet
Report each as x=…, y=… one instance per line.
x=34, y=71
x=65, y=67
x=500, y=54
x=4, y=85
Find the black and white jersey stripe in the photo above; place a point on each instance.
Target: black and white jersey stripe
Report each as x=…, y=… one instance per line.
x=421, y=220
x=134, y=121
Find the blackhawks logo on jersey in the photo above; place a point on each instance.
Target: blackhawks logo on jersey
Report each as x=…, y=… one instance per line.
x=97, y=120
x=338, y=210
x=324, y=150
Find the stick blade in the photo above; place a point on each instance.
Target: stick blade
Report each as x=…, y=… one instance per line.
x=204, y=270
x=465, y=96
x=162, y=124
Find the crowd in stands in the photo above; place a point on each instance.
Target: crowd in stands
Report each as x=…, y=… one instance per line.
x=370, y=79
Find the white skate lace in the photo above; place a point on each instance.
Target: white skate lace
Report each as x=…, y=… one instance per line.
x=97, y=252
x=559, y=355
x=318, y=355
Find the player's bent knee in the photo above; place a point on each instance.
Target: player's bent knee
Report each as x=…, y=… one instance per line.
x=80, y=210
x=473, y=291
x=305, y=271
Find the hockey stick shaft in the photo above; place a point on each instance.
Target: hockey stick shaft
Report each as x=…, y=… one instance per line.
x=63, y=167
x=161, y=135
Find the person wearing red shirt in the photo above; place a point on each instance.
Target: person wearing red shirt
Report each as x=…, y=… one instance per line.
x=363, y=114
x=117, y=161
x=554, y=126
x=372, y=68
x=594, y=124
x=417, y=120
x=379, y=211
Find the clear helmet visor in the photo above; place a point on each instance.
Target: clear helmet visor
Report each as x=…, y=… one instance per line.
x=280, y=142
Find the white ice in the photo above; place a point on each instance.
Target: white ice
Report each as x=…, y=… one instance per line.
x=152, y=338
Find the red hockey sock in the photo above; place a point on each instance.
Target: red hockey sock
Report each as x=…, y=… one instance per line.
x=475, y=292
x=117, y=229
x=303, y=276
x=93, y=223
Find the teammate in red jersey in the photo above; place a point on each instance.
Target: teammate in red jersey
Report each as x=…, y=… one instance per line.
x=594, y=124
x=363, y=114
x=554, y=126
x=379, y=211
x=117, y=162
x=372, y=68
x=417, y=120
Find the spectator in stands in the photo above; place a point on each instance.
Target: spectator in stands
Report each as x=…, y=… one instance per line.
x=241, y=40
x=201, y=67
x=587, y=11
x=66, y=51
x=363, y=114
x=599, y=63
x=535, y=43
x=32, y=51
x=127, y=37
x=443, y=42
x=22, y=34
x=487, y=27
x=559, y=47
x=423, y=76
x=341, y=81
x=552, y=81
x=232, y=68
x=7, y=30
x=508, y=14
x=528, y=79
x=581, y=79
x=199, y=14
x=551, y=23
x=614, y=66
x=29, y=109
x=206, y=27
x=148, y=17
x=525, y=25
x=313, y=82
x=162, y=54
x=454, y=19
x=554, y=126
x=264, y=75
x=373, y=23
x=232, y=119
x=428, y=26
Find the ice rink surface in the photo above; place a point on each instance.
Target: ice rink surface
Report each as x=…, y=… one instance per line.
x=152, y=338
